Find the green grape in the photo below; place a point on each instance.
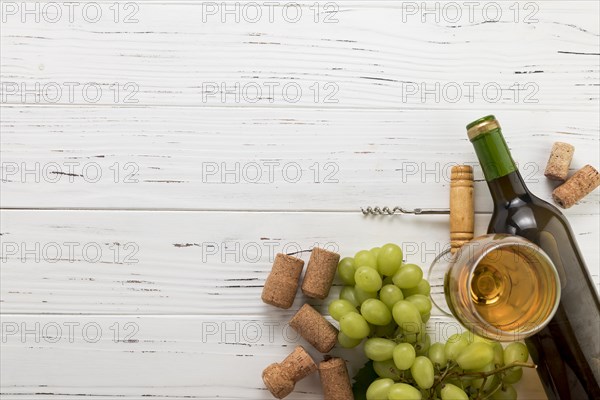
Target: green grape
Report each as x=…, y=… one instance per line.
x=515, y=352
x=365, y=258
x=346, y=270
x=458, y=382
x=376, y=312
x=422, y=303
x=479, y=339
x=385, y=330
x=506, y=392
x=422, y=372
x=498, y=354
x=375, y=251
x=362, y=295
x=339, y=308
x=454, y=345
x=388, y=280
x=379, y=389
x=387, y=369
x=422, y=288
x=354, y=326
x=472, y=337
x=426, y=317
x=389, y=259
x=379, y=349
x=513, y=375
x=408, y=276
x=468, y=335
x=437, y=355
x=390, y=295
x=490, y=383
x=476, y=355
x=410, y=333
x=422, y=344
x=493, y=382
x=451, y=392
x=348, y=293
x=404, y=356
x=407, y=316
x=367, y=279
x=403, y=391
x=346, y=341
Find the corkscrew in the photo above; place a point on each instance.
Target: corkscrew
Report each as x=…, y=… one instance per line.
x=461, y=221
x=400, y=210
x=461, y=210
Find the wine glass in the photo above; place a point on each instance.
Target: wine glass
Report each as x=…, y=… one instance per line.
x=499, y=286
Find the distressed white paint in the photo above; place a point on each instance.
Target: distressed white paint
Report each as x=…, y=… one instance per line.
x=383, y=147
x=186, y=158
x=171, y=295
x=191, y=262
x=368, y=58
x=198, y=357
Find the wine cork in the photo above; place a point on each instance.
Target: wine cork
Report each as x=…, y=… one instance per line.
x=582, y=183
x=314, y=328
x=282, y=283
x=320, y=273
x=335, y=380
x=280, y=378
x=561, y=155
x=462, y=213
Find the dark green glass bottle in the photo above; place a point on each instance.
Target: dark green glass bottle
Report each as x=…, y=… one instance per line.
x=567, y=351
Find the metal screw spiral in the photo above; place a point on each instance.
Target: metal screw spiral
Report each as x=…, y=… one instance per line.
x=399, y=210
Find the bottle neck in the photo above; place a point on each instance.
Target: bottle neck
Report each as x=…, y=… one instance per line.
x=493, y=154
x=503, y=178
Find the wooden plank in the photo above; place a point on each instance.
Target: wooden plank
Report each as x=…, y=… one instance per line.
x=522, y=55
x=165, y=357
x=256, y=159
x=193, y=263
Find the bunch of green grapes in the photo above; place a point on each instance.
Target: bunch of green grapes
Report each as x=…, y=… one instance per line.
x=387, y=303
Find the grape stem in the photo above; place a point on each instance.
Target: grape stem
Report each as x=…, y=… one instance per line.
x=447, y=372
x=495, y=371
x=490, y=394
x=481, y=388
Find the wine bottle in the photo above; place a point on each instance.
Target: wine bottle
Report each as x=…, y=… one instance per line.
x=567, y=350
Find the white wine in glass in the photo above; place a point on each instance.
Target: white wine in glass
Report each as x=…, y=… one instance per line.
x=501, y=287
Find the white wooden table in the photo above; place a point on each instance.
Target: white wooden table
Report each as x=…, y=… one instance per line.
x=155, y=155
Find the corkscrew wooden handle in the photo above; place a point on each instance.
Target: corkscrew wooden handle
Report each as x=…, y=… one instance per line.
x=462, y=213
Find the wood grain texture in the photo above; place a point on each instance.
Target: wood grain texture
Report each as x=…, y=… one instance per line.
x=369, y=107
x=209, y=159
x=167, y=357
x=370, y=54
x=199, y=263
